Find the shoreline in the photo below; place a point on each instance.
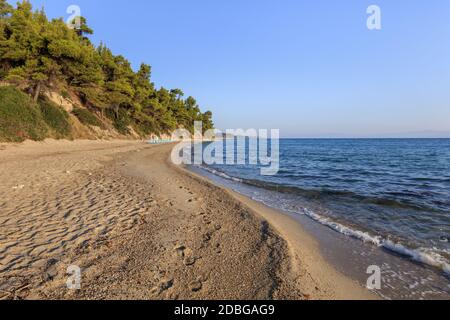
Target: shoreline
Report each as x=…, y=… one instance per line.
x=142, y=228
x=403, y=278
x=304, y=249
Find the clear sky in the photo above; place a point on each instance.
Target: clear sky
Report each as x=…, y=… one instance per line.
x=310, y=68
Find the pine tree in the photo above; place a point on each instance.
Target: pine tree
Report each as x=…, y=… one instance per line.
x=38, y=55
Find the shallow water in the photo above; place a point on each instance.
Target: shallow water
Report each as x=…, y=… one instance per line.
x=392, y=195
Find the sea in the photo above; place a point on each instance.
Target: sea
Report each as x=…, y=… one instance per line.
x=369, y=202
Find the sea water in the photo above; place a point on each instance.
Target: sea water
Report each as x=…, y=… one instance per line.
x=391, y=195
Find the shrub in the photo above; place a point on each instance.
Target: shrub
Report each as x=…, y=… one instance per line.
x=144, y=125
x=56, y=118
x=86, y=117
x=65, y=94
x=121, y=120
x=20, y=117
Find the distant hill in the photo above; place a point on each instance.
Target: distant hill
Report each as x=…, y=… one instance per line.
x=421, y=134
x=426, y=134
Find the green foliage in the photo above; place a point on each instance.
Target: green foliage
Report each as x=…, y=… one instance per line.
x=38, y=54
x=86, y=117
x=83, y=28
x=5, y=8
x=65, y=94
x=56, y=118
x=20, y=117
x=120, y=120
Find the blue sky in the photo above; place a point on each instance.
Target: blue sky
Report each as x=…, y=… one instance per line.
x=310, y=68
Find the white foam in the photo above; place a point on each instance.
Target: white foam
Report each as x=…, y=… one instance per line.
x=220, y=174
x=422, y=255
x=426, y=256
x=363, y=236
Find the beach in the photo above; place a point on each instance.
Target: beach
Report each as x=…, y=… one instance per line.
x=139, y=227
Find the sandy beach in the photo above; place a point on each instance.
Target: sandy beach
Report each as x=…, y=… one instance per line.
x=141, y=228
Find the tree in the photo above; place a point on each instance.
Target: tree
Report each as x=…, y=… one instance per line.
x=177, y=93
x=23, y=49
x=39, y=55
x=207, y=121
x=81, y=28
x=5, y=8
x=5, y=11
x=144, y=74
x=190, y=103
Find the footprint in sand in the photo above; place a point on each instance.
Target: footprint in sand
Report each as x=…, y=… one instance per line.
x=195, y=285
x=192, y=200
x=179, y=250
x=206, y=220
x=207, y=237
x=163, y=285
x=189, y=261
x=186, y=254
x=50, y=270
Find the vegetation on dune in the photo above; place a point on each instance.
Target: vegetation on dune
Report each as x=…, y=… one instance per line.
x=39, y=55
x=86, y=117
x=56, y=118
x=120, y=120
x=20, y=117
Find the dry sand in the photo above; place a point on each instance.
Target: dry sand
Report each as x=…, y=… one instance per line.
x=141, y=228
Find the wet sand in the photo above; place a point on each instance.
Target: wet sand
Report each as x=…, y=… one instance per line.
x=141, y=228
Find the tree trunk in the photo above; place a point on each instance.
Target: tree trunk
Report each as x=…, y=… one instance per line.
x=37, y=92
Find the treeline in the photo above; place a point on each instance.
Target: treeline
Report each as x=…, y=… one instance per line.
x=39, y=55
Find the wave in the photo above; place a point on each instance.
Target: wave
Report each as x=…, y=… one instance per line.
x=422, y=255
x=317, y=194
x=421, y=179
x=221, y=174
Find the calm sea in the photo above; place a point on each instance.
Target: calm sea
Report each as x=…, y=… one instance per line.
x=391, y=193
